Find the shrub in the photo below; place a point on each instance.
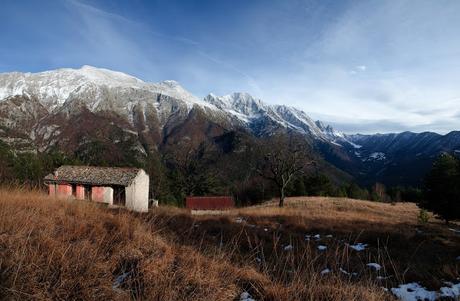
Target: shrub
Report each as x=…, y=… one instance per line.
x=423, y=216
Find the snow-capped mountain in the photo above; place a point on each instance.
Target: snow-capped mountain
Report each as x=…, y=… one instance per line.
x=54, y=88
x=255, y=114
x=164, y=104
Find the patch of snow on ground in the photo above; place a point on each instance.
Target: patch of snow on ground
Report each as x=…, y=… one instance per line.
x=239, y=220
x=325, y=271
x=245, y=296
x=322, y=248
x=452, y=291
x=288, y=248
x=455, y=231
x=358, y=247
x=348, y=273
x=120, y=280
x=374, y=266
x=315, y=237
x=413, y=292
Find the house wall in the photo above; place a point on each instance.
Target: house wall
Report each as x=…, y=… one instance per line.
x=64, y=190
x=80, y=192
x=52, y=189
x=102, y=194
x=137, y=194
x=108, y=195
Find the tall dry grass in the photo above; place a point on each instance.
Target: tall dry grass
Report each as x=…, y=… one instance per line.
x=342, y=209
x=74, y=250
x=408, y=251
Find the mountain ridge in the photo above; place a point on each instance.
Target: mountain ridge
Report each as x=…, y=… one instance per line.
x=58, y=88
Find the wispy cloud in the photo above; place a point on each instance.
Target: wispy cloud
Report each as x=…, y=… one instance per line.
x=116, y=38
x=407, y=71
x=250, y=80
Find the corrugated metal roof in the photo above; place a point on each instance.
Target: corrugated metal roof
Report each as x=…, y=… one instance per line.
x=209, y=202
x=94, y=175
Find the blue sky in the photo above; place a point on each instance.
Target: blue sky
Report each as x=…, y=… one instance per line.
x=363, y=66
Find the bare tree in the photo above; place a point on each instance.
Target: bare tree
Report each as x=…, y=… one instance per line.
x=283, y=156
x=193, y=166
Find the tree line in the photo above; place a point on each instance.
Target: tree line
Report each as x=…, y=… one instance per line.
x=251, y=170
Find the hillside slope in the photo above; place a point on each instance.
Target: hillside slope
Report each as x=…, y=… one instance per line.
x=55, y=249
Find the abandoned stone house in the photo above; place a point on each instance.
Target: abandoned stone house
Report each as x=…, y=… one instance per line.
x=111, y=185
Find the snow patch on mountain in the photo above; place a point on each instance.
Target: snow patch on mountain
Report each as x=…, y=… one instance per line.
x=354, y=144
x=376, y=156
x=175, y=90
x=55, y=87
x=241, y=105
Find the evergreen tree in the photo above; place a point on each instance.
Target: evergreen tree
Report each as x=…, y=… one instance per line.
x=296, y=187
x=442, y=188
x=6, y=163
x=319, y=185
x=341, y=192
x=356, y=192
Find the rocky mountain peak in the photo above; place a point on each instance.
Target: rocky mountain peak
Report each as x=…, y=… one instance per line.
x=104, y=90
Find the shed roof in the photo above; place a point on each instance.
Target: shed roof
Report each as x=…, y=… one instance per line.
x=209, y=202
x=94, y=175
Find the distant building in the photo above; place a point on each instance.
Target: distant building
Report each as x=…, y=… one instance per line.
x=111, y=185
x=209, y=202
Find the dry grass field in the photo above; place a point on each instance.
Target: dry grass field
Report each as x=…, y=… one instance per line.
x=75, y=250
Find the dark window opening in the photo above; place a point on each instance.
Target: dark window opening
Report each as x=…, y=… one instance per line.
x=74, y=190
x=88, y=190
x=119, y=195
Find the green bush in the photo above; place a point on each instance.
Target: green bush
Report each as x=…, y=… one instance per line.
x=423, y=216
